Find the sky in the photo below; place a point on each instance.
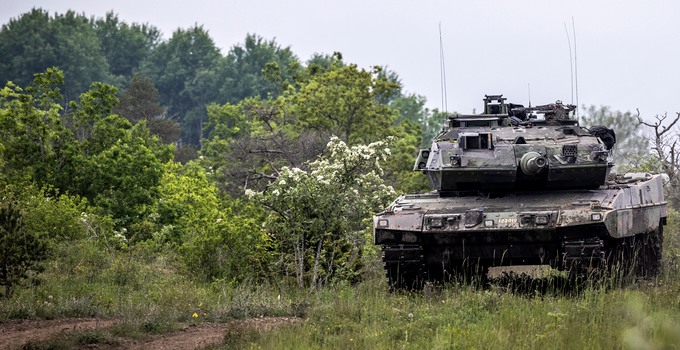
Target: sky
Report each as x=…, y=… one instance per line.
x=626, y=57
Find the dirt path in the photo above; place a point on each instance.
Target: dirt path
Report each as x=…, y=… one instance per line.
x=14, y=334
x=202, y=335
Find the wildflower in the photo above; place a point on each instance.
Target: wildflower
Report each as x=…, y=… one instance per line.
x=194, y=315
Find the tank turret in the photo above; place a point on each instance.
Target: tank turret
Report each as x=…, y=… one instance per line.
x=510, y=147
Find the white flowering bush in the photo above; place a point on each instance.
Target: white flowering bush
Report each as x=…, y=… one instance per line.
x=318, y=215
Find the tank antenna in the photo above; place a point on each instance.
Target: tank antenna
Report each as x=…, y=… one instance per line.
x=442, y=67
x=573, y=28
x=571, y=62
x=529, y=88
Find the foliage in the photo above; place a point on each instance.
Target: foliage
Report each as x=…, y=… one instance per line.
x=54, y=218
x=249, y=143
x=36, y=145
x=124, y=178
x=125, y=46
x=217, y=239
x=246, y=65
x=21, y=250
x=141, y=101
x=187, y=202
x=232, y=248
x=36, y=41
x=399, y=170
x=87, y=152
x=318, y=215
x=345, y=102
x=179, y=69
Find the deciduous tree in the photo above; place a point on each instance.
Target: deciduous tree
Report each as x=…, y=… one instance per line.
x=36, y=41
x=318, y=215
x=178, y=69
x=666, y=148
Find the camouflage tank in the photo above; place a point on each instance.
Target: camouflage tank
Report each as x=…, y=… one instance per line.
x=521, y=186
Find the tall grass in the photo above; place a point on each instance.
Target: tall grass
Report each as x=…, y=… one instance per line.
x=466, y=317
x=151, y=292
x=609, y=314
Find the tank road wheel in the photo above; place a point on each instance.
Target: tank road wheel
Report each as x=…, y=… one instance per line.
x=404, y=267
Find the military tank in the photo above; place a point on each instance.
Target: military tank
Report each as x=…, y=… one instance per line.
x=520, y=187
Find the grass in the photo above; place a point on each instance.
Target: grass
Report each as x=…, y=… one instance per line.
x=152, y=295
x=465, y=317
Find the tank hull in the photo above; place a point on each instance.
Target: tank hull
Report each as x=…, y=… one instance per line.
x=435, y=237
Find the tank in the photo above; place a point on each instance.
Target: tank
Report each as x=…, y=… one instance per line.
x=521, y=187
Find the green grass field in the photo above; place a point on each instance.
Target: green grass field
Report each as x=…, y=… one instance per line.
x=151, y=294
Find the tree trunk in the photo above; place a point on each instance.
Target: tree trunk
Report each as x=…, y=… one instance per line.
x=316, y=265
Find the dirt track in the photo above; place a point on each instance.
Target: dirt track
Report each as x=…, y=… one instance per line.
x=14, y=334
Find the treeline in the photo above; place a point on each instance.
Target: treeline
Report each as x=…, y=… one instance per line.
x=114, y=141
x=183, y=74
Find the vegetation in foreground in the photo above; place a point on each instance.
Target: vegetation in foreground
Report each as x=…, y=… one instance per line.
x=150, y=296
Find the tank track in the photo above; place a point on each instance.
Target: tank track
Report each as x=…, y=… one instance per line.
x=585, y=259
x=593, y=257
x=405, y=266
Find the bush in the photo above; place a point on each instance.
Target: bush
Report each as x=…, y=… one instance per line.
x=21, y=249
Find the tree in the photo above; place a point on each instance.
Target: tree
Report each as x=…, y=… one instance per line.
x=318, y=216
x=21, y=250
x=345, y=102
x=35, y=41
x=667, y=151
x=125, y=46
x=250, y=142
x=185, y=71
x=36, y=144
x=399, y=171
x=218, y=238
x=247, y=64
x=123, y=178
x=140, y=101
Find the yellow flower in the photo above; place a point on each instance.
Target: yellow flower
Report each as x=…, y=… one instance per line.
x=195, y=315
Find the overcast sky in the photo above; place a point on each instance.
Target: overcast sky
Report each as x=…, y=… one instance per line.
x=628, y=52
